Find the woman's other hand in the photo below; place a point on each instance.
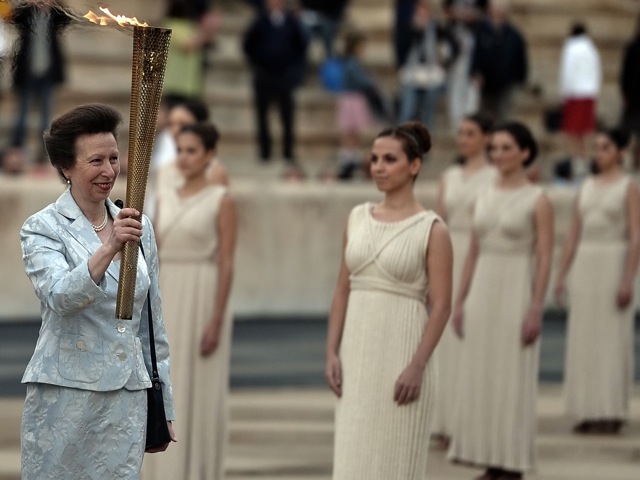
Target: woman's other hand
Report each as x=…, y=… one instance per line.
x=210, y=339
x=532, y=326
x=624, y=295
x=407, y=388
x=333, y=374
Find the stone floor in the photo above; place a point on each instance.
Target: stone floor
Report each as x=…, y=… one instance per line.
x=285, y=433
x=282, y=416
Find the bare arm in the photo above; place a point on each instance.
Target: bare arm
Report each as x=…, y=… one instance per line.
x=543, y=218
x=333, y=372
x=568, y=253
x=625, y=292
x=440, y=208
x=465, y=285
x=439, y=265
x=227, y=227
x=218, y=175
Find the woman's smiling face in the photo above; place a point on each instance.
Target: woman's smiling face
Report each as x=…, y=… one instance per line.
x=96, y=167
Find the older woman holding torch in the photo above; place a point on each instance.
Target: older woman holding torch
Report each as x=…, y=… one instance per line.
x=86, y=405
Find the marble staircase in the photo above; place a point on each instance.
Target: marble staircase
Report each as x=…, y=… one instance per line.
x=99, y=70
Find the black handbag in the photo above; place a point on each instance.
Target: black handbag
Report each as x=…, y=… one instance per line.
x=157, y=430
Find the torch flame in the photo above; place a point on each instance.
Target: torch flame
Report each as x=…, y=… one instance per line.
x=119, y=19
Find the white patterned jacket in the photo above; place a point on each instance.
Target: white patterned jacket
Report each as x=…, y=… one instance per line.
x=81, y=342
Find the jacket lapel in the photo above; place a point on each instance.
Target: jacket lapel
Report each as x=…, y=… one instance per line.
x=81, y=229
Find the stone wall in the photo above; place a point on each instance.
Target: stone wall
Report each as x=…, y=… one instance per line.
x=289, y=242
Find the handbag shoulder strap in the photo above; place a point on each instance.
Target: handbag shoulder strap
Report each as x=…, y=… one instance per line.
x=152, y=340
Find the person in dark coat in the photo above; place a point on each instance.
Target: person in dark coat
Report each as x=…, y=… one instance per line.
x=275, y=45
x=402, y=36
x=499, y=61
x=630, y=89
x=39, y=63
x=322, y=18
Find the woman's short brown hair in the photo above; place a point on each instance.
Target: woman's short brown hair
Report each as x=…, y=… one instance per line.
x=60, y=138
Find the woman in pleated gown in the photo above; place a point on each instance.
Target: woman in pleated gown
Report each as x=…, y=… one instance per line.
x=196, y=225
x=460, y=185
x=397, y=259
x=601, y=252
x=498, y=314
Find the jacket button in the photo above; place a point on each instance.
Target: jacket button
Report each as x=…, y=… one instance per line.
x=122, y=356
x=80, y=345
x=122, y=328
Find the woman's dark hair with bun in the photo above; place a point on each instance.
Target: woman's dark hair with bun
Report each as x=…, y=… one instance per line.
x=621, y=137
x=577, y=29
x=206, y=131
x=523, y=137
x=482, y=120
x=414, y=137
x=196, y=107
x=60, y=138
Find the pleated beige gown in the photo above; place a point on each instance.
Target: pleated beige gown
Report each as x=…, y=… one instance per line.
x=188, y=244
x=375, y=439
x=460, y=193
x=495, y=422
x=599, y=355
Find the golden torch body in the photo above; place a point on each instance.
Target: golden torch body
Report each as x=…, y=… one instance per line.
x=149, y=60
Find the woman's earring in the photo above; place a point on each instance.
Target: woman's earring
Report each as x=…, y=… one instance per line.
x=68, y=181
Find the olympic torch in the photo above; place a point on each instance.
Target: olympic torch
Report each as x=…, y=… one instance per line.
x=148, y=63
x=150, y=52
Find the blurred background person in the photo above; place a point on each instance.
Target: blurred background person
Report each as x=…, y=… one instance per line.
x=499, y=64
x=396, y=258
x=423, y=76
x=164, y=145
x=275, y=45
x=5, y=47
x=580, y=80
x=196, y=229
x=194, y=25
x=459, y=188
x=630, y=88
x=12, y=162
x=602, y=250
x=509, y=261
x=322, y=19
x=38, y=64
x=402, y=21
x=463, y=97
x=359, y=101
x=167, y=176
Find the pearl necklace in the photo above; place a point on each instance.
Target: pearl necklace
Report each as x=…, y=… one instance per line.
x=99, y=228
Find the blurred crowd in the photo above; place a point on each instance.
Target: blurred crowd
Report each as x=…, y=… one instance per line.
x=454, y=56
